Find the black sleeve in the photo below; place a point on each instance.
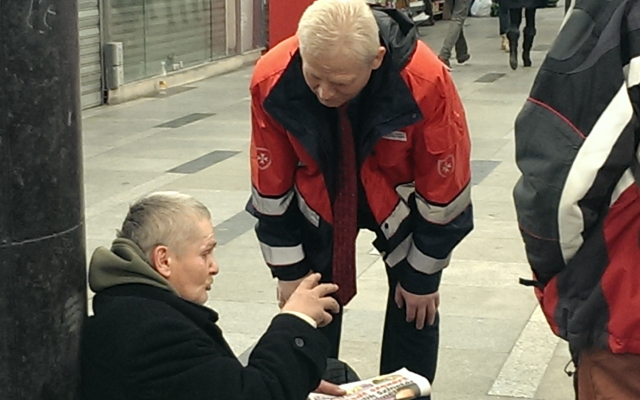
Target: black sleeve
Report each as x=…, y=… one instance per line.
x=175, y=360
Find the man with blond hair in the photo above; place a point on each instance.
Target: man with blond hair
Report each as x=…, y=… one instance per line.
x=151, y=337
x=357, y=124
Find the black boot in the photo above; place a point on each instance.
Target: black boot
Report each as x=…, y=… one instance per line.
x=513, y=35
x=527, y=44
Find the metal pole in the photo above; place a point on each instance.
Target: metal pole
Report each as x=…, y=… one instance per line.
x=42, y=256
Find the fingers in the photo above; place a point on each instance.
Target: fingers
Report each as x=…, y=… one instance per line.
x=411, y=312
x=325, y=289
x=326, y=319
x=330, y=304
x=421, y=316
x=330, y=389
x=310, y=281
x=432, y=310
x=280, y=298
x=398, y=296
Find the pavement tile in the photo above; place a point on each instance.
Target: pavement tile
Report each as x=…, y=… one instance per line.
x=477, y=333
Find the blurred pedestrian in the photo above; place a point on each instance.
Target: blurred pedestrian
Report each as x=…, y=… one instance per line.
x=516, y=8
x=503, y=20
x=455, y=34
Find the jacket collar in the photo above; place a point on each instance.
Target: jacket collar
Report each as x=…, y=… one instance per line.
x=384, y=105
x=204, y=317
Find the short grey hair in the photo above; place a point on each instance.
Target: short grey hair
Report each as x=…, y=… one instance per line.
x=163, y=218
x=328, y=26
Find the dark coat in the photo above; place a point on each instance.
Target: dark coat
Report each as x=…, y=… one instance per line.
x=524, y=3
x=147, y=343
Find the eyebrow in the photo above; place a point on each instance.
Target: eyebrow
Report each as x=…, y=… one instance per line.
x=343, y=81
x=210, y=246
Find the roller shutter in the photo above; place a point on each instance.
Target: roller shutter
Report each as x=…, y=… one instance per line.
x=90, y=64
x=180, y=33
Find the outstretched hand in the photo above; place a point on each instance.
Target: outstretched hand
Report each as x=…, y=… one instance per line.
x=312, y=298
x=286, y=288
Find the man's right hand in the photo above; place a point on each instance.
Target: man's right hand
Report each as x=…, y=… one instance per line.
x=286, y=288
x=312, y=299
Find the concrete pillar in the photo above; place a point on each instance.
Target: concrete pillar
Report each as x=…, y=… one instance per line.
x=42, y=257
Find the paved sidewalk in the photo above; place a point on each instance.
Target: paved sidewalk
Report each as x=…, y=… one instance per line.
x=495, y=343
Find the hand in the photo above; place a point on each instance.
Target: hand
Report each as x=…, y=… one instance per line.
x=285, y=288
x=420, y=308
x=329, y=388
x=311, y=298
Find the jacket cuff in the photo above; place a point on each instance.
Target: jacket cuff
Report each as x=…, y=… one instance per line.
x=417, y=282
x=302, y=316
x=304, y=337
x=291, y=272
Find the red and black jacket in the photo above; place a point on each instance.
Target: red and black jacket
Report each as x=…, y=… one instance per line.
x=577, y=201
x=413, y=150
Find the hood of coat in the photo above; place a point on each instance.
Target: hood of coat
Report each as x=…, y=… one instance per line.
x=125, y=263
x=398, y=33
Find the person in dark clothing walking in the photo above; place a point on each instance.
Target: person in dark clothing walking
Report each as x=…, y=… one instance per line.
x=516, y=8
x=504, y=21
x=455, y=34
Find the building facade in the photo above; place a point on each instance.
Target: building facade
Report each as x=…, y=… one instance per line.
x=162, y=36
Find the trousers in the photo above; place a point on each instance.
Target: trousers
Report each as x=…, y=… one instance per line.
x=455, y=33
x=402, y=344
x=604, y=375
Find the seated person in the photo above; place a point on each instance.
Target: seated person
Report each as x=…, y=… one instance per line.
x=151, y=338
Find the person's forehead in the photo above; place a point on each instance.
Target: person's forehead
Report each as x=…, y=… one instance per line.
x=208, y=231
x=205, y=231
x=334, y=65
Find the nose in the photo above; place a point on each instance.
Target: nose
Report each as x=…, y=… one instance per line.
x=213, y=267
x=325, y=92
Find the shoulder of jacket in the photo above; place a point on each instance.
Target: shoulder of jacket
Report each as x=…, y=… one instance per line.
x=272, y=64
x=130, y=309
x=424, y=65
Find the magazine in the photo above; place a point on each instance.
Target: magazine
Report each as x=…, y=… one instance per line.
x=400, y=385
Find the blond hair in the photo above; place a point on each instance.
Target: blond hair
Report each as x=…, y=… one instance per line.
x=344, y=27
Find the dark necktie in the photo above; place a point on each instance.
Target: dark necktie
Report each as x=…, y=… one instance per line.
x=345, y=209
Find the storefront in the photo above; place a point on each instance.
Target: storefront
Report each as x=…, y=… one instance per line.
x=161, y=36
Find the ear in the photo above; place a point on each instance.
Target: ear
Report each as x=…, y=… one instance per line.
x=160, y=260
x=377, y=61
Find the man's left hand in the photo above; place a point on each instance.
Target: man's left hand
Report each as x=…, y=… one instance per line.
x=329, y=388
x=420, y=308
